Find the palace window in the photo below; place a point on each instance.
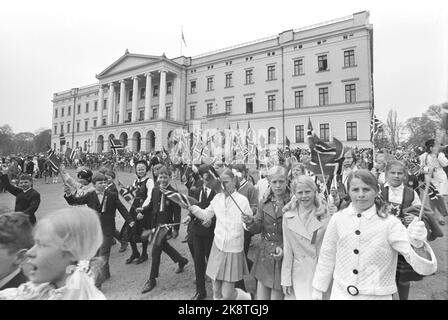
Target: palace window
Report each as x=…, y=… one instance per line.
x=142, y=93
x=68, y=127
x=131, y=93
x=228, y=80
x=249, y=76
x=272, y=135
x=249, y=105
x=141, y=116
x=300, y=133
x=298, y=67
x=62, y=112
x=349, y=58
x=79, y=108
x=95, y=106
x=94, y=122
x=325, y=132
x=193, y=86
x=350, y=93
x=169, y=87
x=62, y=129
x=209, y=109
x=322, y=62
x=69, y=111
x=228, y=106
x=77, y=126
x=209, y=83
x=352, y=131
x=323, y=96
x=155, y=91
x=55, y=113
x=87, y=107
x=192, y=112
x=168, y=113
x=271, y=72
x=55, y=131
x=155, y=113
x=86, y=125
x=105, y=104
x=298, y=98
x=271, y=102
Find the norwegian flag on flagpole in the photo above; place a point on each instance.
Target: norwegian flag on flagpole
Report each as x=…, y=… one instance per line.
x=70, y=154
x=183, y=200
x=53, y=159
x=375, y=126
x=115, y=145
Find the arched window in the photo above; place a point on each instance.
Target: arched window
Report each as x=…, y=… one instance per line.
x=272, y=135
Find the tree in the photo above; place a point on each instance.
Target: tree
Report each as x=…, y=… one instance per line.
x=420, y=130
x=42, y=140
x=393, y=128
x=6, y=136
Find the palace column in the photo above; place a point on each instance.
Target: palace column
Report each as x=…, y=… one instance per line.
x=162, y=95
x=134, y=99
x=122, y=109
x=148, y=96
x=99, y=120
x=110, y=105
x=176, y=99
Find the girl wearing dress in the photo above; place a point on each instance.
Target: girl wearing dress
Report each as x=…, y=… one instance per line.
x=268, y=222
x=227, y=262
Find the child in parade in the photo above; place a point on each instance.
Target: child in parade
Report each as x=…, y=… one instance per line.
x=361, y=245
x=268, y=221
x=401, y=200
x=83, y=185
x=27, y=198
x=158, y=214
x=434, y=161
x=227, y=262
x=105, y=203
x=304, y=224
x=65, y=240
x=144, y=185
x=111, y=186
x=248, y=190
x=16, y=238
x=201, y=232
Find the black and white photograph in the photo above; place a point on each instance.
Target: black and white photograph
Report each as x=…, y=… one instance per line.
x=224, y=150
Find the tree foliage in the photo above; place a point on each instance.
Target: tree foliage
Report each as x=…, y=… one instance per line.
x=23, y=142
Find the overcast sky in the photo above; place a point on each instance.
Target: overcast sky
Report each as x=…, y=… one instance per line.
x=50, y=46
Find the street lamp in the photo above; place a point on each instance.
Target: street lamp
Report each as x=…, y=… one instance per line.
x=74, y=94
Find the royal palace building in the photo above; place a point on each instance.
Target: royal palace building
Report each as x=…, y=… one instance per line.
x=322, y=72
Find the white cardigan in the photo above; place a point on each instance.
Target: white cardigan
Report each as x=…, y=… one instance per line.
x=377, y=242
x=229, y=230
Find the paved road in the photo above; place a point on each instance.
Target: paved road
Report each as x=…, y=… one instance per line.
x=127, y=280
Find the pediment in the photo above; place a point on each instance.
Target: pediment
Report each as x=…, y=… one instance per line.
x=128, y=62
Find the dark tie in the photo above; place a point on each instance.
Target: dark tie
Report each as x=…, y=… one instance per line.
x=162, y=203
x=204, y=195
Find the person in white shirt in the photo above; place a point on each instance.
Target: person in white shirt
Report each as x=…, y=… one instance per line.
x=434, y=161
x=227, y=262
x=361, y=245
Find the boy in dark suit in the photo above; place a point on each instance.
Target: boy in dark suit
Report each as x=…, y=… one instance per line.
x=105, y=202
x=201, y=233
x=15, y=239
x=162, y=211
x=27, y=199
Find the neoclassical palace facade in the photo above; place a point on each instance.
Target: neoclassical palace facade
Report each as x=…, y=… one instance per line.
x=322, y=72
